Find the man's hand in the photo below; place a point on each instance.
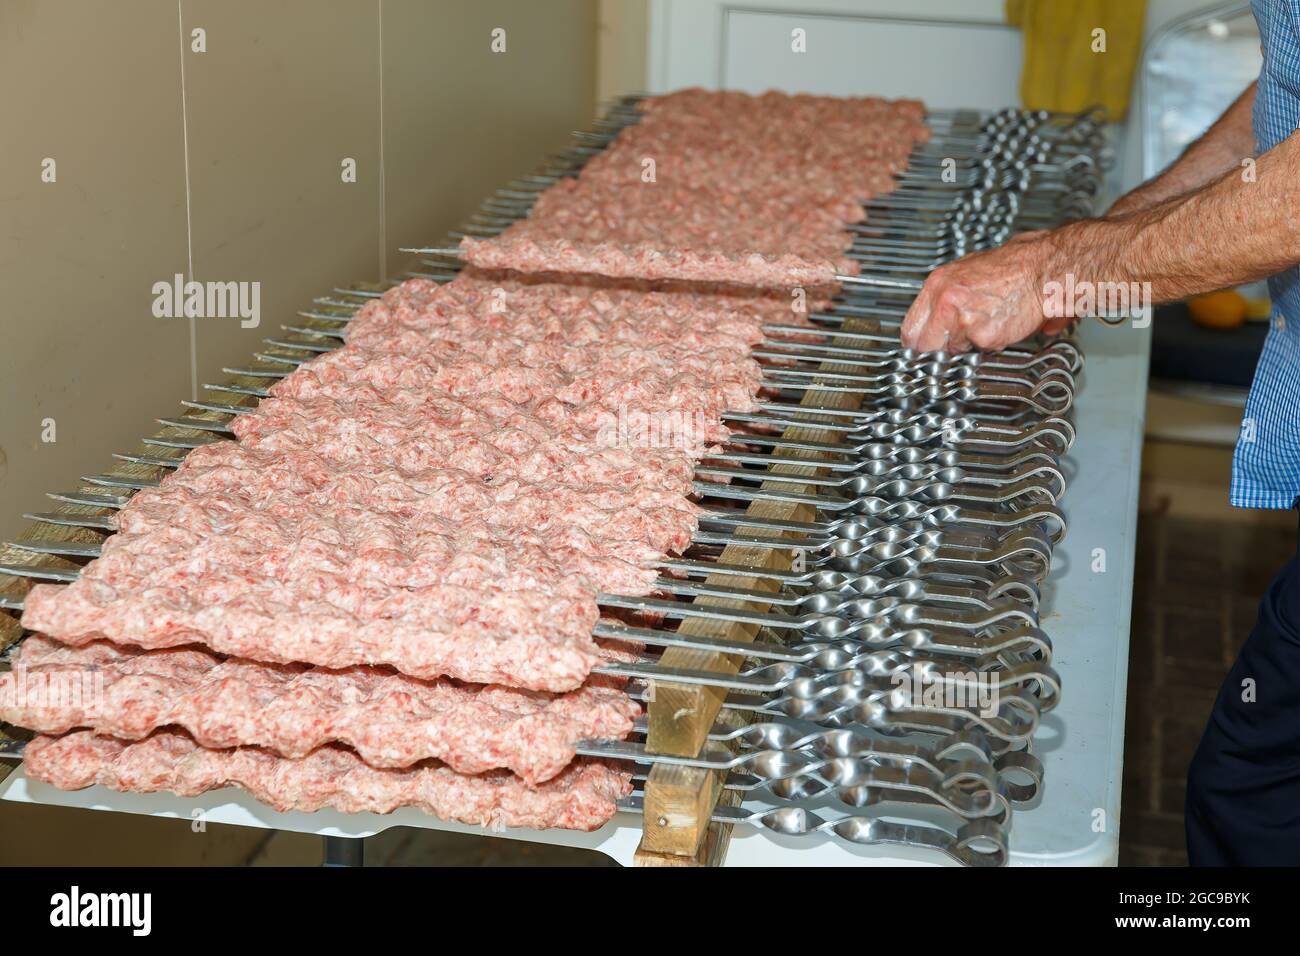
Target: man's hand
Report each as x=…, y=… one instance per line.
x=1235, y=229
x=987, y=300
x=1192, y=222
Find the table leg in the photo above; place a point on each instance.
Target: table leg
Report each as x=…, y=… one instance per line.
x=343, y=851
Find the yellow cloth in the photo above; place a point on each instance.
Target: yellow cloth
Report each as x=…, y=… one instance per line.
x=1061, y=70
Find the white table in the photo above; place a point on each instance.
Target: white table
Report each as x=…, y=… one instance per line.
x=1081, y=742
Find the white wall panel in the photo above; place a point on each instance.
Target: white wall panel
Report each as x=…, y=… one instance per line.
x=872, y=55
x=691, y=42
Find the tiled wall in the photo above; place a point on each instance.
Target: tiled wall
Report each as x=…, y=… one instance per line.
x=284, y=92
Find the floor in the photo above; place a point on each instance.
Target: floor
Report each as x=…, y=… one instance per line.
x=1196, y=589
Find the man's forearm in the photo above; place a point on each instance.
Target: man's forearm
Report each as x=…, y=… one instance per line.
x=1222, y=147
x=1242, y=225
x=1235, y=230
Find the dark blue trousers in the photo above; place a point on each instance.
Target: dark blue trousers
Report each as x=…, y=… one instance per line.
x=1243, y=787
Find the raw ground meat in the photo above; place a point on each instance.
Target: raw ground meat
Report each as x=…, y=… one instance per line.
x=523, y=639
x=452, y=510
x=721, y=187
x=391, y=721
x=525, y=251
x=582, y=797
x=448, y=492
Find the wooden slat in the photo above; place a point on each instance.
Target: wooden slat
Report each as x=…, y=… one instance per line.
x=679, y=800
x=678, y=808
x=10, y=630
x=678, y=804
x=712, y=849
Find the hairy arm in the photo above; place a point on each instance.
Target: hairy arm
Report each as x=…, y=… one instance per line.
x=1221, y=147
x=1235, y=229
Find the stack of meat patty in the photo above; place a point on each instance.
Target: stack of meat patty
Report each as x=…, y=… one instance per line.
x=383, y=593
x=719, y=187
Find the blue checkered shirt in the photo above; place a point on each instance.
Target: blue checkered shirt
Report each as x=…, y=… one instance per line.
x=1266, y=461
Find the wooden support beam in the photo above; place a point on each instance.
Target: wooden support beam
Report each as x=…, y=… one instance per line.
x=679, y=801
x=678, y=830
x=712, y=848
